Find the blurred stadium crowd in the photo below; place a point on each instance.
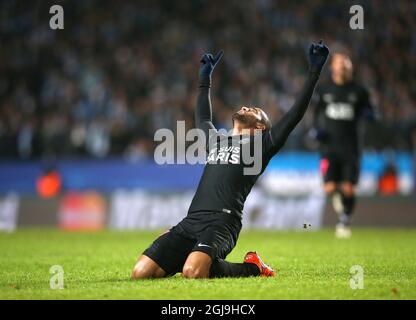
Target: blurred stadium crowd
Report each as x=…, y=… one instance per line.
x=121, y=70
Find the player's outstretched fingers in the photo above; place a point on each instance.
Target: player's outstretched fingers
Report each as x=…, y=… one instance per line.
x=218, y=56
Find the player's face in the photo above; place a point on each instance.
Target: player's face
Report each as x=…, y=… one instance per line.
x=249, y=117
x=250, y=113
x=341, y=66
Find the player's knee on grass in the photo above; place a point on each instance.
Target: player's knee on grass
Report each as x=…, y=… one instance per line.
x=194, y=272
x=146, y=268
x=140, y=273
x=197, y=266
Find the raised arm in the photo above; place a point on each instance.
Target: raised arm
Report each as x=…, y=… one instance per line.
x=280, y=131
x=203, y=112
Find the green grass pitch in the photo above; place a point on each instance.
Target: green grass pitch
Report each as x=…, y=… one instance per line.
x=309, y=264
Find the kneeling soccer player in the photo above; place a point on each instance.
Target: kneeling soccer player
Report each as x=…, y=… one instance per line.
x=198, y=245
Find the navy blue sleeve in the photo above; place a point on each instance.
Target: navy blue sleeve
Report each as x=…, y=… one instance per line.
x=278, y=134
x=203, y=112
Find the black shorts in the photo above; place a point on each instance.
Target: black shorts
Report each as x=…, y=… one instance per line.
x=336, y=168
x=215, y=234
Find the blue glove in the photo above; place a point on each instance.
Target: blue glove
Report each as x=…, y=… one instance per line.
x=318, y=53
x=208, y=63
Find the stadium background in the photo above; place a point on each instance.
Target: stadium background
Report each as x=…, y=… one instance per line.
x=79, y=107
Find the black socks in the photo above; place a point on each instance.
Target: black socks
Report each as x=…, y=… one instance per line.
x=348, y=203
x=221, y=268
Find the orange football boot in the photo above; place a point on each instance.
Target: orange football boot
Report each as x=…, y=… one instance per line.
x=265, y=270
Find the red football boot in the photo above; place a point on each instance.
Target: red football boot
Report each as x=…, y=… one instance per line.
x=265, y=270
